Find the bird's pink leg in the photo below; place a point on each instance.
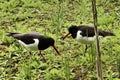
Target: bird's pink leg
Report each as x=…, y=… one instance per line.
x=41, y=55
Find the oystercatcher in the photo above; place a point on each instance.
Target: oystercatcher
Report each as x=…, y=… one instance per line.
x=34, y=41
x=86, y=34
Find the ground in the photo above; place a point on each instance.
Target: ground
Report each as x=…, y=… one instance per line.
x=53, y=18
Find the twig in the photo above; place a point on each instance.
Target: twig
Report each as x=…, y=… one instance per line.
x=99, y=65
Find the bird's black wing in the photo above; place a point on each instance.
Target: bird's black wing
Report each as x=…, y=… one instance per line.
x=27, y=38
x=87, y=31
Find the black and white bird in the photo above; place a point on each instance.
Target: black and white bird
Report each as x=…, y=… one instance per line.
x=86, y=34
x=34, y=41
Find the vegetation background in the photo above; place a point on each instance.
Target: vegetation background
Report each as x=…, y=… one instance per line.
x=52, y=18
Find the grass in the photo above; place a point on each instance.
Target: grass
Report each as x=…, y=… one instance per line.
x=52, y=18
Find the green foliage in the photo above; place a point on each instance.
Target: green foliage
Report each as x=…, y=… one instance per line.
x=52, y=18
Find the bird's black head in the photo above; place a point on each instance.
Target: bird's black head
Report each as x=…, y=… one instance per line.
x=73, y=30
x=50, y=41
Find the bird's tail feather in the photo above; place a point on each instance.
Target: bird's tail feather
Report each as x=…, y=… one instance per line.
x=108, y=34
x=11, y=34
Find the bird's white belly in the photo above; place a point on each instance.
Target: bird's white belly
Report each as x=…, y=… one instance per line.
x=85, y=39
x=33, y=46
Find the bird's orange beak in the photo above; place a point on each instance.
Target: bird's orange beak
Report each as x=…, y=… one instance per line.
x=56, y=50
x=66, y=35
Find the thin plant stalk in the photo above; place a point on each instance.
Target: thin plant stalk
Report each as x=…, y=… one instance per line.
x=99, y=64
